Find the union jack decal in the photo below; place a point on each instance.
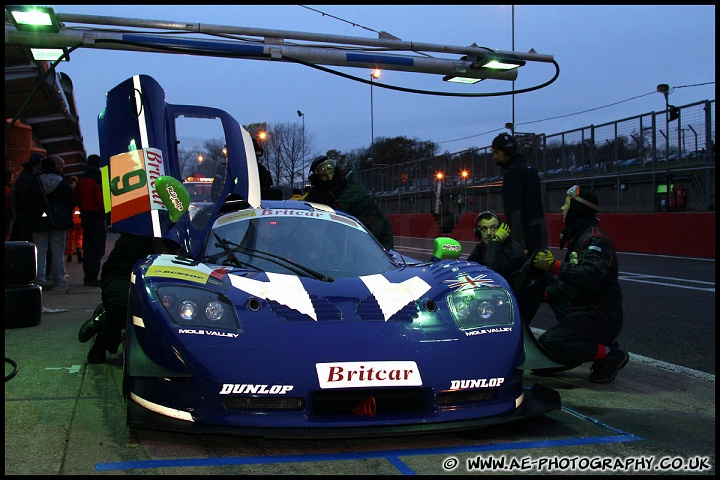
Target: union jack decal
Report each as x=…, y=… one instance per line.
x=465, y=282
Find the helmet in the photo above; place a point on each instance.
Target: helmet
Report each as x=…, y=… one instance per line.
x=585, y=196
x=323, y=165
x=584, y=204
x=505, y=143
x=317, y=161
x=487, y=214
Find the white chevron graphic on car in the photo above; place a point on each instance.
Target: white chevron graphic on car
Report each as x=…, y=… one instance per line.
x=284, y=289
x=393, y=296
x=289, y=291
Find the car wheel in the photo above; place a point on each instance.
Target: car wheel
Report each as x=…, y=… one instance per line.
x=23, y=306
x=20, y=263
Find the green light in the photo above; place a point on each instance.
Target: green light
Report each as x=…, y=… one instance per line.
x=468, y=80
x=500, y=65
x=49, y=54
x=500, y=61
x=32, y=18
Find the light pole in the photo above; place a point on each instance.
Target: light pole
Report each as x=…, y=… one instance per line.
x=664, y=88
x=438, y=210
x=375, y=74
x=301, y=114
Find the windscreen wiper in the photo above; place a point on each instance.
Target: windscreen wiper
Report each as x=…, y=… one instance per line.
x=271, y=257
x=230, y=252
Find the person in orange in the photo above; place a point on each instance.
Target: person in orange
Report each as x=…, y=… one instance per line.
x=74, y=241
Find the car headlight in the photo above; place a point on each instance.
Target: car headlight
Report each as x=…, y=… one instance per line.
x=197, y=307
x=481, y=307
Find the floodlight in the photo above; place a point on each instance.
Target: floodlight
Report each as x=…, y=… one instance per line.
x=499, y=61
x=458, y=79
x=30, y=18
x=500, y=66
x=49, y=54
x=474, y=75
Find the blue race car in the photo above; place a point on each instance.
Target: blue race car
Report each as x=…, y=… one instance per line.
x=288, y=318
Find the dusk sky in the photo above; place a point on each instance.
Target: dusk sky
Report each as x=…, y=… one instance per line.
x=611, y=60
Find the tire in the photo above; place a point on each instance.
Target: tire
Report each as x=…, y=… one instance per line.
x=23, y=306
x=20, y=263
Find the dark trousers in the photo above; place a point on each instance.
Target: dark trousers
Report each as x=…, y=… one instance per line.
x=115, y=292
x=575, y=338
x=95, y=237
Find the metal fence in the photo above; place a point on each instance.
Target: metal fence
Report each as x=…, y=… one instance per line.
x=629, y=163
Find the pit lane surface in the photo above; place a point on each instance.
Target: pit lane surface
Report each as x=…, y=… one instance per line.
x=63, y=416
x=668, y=304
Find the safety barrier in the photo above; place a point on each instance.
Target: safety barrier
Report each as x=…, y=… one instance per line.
x=421, y=225
x=689, y=234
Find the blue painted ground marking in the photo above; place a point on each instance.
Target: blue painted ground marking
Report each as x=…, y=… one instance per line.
x=391, y=456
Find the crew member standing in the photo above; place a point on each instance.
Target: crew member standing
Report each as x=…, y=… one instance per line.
x=522, y=195
x=89, y=197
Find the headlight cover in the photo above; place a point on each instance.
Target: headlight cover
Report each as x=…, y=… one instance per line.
x=481, y=307
x=197, y=307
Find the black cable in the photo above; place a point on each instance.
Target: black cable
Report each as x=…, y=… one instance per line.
x=15, y=368
x=428, y=92
x=175, y=49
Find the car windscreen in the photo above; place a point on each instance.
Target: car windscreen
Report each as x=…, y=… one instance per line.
x=336, y=247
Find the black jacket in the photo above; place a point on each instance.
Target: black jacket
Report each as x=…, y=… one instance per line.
x=505, y=258
x=589, y=274
x=346, y=192
x=57, y=190
x=523, y=205
x=20, y=191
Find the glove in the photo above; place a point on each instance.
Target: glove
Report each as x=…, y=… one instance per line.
x=503, y=232
x=543, y=260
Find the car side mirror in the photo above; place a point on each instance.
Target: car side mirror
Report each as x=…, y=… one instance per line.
x=446, y=248
x=173, y=195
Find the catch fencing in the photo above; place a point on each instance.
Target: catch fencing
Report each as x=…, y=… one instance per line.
x=653, y=162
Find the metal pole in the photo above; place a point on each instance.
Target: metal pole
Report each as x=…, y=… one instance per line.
x=258, y=50
x=513, y=83
x=372, y=118
x=303, y=144
x=389, y=44
x=667, y=150
x=301, y=114
x=695, y=133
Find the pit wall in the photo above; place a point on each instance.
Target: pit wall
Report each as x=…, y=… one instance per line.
x=687, y=234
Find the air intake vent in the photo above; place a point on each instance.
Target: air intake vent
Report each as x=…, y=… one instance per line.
x=368, y=309
x=388, y=400
x=456, y=398
x=264, y=403
x=324, y=309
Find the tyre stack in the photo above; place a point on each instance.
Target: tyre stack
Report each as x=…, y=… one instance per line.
x=23, y=299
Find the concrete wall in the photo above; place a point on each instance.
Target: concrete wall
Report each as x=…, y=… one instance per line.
x=690, y=234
